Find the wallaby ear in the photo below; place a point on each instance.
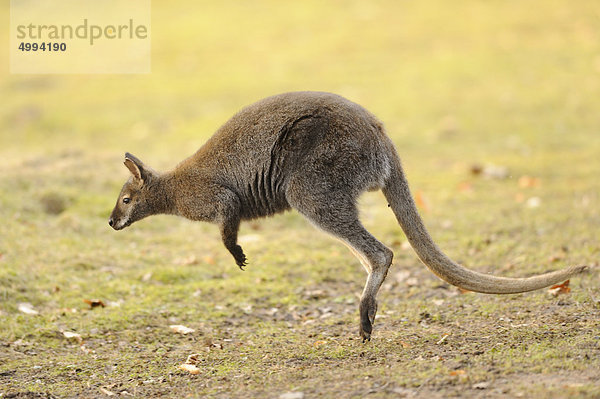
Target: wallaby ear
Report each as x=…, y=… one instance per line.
x=136, y=167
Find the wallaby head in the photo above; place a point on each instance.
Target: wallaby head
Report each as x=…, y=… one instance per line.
x=136, y=197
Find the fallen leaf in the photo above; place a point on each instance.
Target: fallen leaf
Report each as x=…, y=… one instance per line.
x=441, y=341
x=292, y=395
x=412, y=282
x=94, y=303
x=72, y=335
x=557, y=289
x=314, y=294
x=481, y=385
x=193, y=358
x=476, y=169
x=190, y=368
x=533, y=202
x=528, y=181
x=457, y=372
x=489, y=171
x=405, y=344
x=190, y=260
x=421, y=201
x=210, y=344
x=27, y=308
x=465, y=187
x=495, y=172
x=181, y=329
x=319, y=343
x=519, y=197
x=209, y=260
x=107, y=392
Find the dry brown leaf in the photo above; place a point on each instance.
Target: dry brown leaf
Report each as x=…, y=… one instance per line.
x=319, y=343
x=181, y=329
x=476, y=169
x=190, y=368
x=405, y=344
x=528, y=181
x=209, y=260
x=94, y=303
x=194, y=358
x=421, y=201
x=556, y=257
x=465, y=187
x=558, y=289
x=519, y=198
x=458, y=372
x=107, y=392
x=187, y=261
x=72, y=335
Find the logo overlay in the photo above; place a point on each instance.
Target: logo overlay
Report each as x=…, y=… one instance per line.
x=79, y=36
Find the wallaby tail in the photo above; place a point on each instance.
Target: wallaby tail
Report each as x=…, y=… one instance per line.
x=398, y=195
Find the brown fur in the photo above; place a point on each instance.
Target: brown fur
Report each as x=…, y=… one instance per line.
x=314, y=152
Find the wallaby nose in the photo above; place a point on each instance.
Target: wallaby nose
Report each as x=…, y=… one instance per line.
x=111, y=222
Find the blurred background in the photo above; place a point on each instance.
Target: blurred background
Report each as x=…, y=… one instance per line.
x=499, y=72
x=459, y=85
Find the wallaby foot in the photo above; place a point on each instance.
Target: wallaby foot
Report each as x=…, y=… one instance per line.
x=367, y=310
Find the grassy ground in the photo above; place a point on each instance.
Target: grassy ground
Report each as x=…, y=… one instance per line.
x=457, y=84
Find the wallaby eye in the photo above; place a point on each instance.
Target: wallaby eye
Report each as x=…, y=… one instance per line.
x=126, y=200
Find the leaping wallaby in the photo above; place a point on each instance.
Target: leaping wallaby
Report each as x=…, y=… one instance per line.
x=314, y=152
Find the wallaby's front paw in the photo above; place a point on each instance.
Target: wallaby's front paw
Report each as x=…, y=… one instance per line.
x=240, y=258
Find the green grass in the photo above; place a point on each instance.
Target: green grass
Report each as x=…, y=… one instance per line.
x=456, y=84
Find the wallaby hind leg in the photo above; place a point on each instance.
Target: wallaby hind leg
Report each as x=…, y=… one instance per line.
x=336, y=214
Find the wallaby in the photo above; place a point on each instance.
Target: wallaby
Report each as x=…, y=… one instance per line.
x=314, y=152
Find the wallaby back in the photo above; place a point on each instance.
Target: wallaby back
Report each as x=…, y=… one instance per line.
x=266, y=144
